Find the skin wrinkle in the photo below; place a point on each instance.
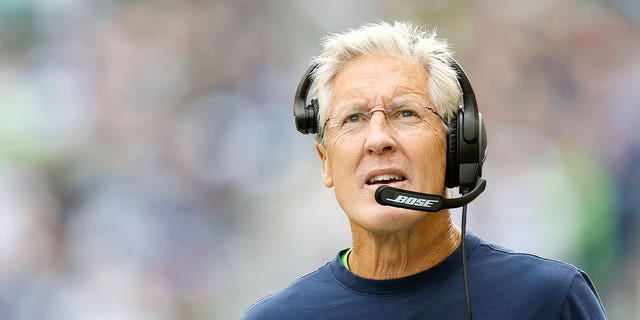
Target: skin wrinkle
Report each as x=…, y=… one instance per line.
x=404, y=264
x=388, y=242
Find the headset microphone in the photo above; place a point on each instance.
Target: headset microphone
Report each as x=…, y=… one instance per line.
x=390, y=196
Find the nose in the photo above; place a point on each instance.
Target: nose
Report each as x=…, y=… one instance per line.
x=379, y=139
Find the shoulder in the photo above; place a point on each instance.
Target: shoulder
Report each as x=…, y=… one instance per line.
x=285, y=302
x=560, y=287
x=530, y=267
x=582, y=300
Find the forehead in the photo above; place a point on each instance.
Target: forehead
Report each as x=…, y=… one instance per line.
x=378, y=80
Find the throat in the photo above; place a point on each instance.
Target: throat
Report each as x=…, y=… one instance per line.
x=397, y=256
x=381, y=264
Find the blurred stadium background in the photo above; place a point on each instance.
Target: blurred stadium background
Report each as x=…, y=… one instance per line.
x=150, y=168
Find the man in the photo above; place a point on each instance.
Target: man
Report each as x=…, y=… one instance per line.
x=387, y=95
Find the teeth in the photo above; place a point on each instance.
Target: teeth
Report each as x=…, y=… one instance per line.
x=385, y=177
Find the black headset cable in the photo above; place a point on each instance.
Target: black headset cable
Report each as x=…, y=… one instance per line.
x=464, y=262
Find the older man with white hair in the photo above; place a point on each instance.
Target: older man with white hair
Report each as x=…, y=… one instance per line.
x=388, y=102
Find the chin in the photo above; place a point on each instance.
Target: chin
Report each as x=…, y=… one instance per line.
x=383, y=219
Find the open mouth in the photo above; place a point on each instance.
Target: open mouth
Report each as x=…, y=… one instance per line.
x=385, y=179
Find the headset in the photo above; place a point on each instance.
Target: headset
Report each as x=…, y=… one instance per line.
x=466, y=139
x=466, y=153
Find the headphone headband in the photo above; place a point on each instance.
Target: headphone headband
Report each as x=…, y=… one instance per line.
x=469, y=104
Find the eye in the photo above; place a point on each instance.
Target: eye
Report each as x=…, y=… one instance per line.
x=352, y=118
x=406, y=113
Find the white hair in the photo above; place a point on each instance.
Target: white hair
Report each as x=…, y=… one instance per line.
x=402, y=40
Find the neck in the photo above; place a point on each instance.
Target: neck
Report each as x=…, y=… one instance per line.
x=401, y=254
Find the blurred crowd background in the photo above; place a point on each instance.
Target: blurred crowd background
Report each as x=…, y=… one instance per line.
x=150, y=167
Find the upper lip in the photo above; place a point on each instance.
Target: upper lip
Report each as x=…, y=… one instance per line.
x=378, y=172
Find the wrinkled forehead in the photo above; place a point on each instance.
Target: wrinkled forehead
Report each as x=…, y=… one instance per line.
x=379, y=80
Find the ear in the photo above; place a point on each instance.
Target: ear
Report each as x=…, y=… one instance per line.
x=326, y=171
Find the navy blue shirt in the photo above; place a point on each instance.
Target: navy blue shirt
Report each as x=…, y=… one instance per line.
x=503, y=285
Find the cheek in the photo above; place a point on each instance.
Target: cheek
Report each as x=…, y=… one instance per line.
x=436, y=143
x=432, y=157
x=344, y=165
x=438, y=152
x=344, y=155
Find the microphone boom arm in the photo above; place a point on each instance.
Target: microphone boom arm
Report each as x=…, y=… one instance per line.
x=390, y=196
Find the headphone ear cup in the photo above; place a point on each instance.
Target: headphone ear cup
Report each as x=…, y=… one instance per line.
x=452, y=178
x=306, y=116
x=313, y=110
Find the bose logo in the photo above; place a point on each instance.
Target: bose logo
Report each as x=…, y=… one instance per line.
x=427, y=203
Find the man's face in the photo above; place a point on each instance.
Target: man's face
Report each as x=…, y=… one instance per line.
x=408, y=157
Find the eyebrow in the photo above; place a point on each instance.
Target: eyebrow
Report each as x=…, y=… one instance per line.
x=359, y=104
x=349, y=107
x=398, y=102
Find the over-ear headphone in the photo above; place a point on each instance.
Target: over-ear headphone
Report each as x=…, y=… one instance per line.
x=466, y=139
